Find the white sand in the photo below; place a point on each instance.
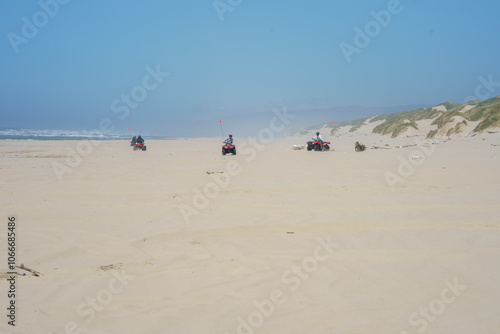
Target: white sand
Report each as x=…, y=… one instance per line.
x=398, y=246
x=466, y=108
x=424, y=126
x=440, y=107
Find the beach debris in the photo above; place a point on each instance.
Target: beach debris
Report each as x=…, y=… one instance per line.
x=290, y=232
x=389, y=147
x=34, y=272
x=298, y=147
x=113, y=266
x=416, y=157
x=359, y=147
x=215, y=172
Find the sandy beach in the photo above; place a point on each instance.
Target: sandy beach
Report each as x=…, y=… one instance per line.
x=180, y=239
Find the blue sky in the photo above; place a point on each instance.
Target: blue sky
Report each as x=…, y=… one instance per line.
x=263, y=54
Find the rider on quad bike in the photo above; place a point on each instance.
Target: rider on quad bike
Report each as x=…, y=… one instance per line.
x=229, y=140
x=318, y=144
x=228, y=146
x=318, y=138
x=139, y=144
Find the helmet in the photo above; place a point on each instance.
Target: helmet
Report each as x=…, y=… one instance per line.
x=317, y=133
x=230, y=135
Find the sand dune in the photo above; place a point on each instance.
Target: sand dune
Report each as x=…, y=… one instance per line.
x=179, y=239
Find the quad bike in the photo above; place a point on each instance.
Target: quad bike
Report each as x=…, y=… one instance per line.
x=316, y=145
x=359, y=147
x=228, y=148
x=139, y=146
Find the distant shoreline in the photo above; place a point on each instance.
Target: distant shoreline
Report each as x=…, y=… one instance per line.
x=6, y=138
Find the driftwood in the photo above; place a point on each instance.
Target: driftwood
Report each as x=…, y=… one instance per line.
x=359, y=147
x=403, y=146
x=387, y=147
x=34, y=272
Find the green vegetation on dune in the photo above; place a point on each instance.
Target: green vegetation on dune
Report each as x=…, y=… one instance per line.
x=397, y=123
x=445, y=118
x=487, y=112
x=456, y=128
x=403, y=127
x=427, y=113
x=358, y=125
x=484, y=108
x=354, y=123
x=432, y=134
x=450, y=105
x=380, y=117
x=492, y=121
x=395, y=127
x=470, y=103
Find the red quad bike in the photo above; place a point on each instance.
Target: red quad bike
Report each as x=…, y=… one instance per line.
x=139, y=146
x=316, y=145
x=228, y=148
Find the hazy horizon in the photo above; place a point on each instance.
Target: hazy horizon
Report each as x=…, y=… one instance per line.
x=244, y=125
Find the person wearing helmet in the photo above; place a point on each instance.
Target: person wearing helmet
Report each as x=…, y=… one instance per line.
x=318, y=137
x=229, y=140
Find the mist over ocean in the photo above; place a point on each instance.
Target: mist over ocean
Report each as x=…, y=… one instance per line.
x=246, y=125
x=49, y=134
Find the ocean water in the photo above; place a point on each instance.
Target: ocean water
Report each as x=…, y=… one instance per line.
x=45, y=134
